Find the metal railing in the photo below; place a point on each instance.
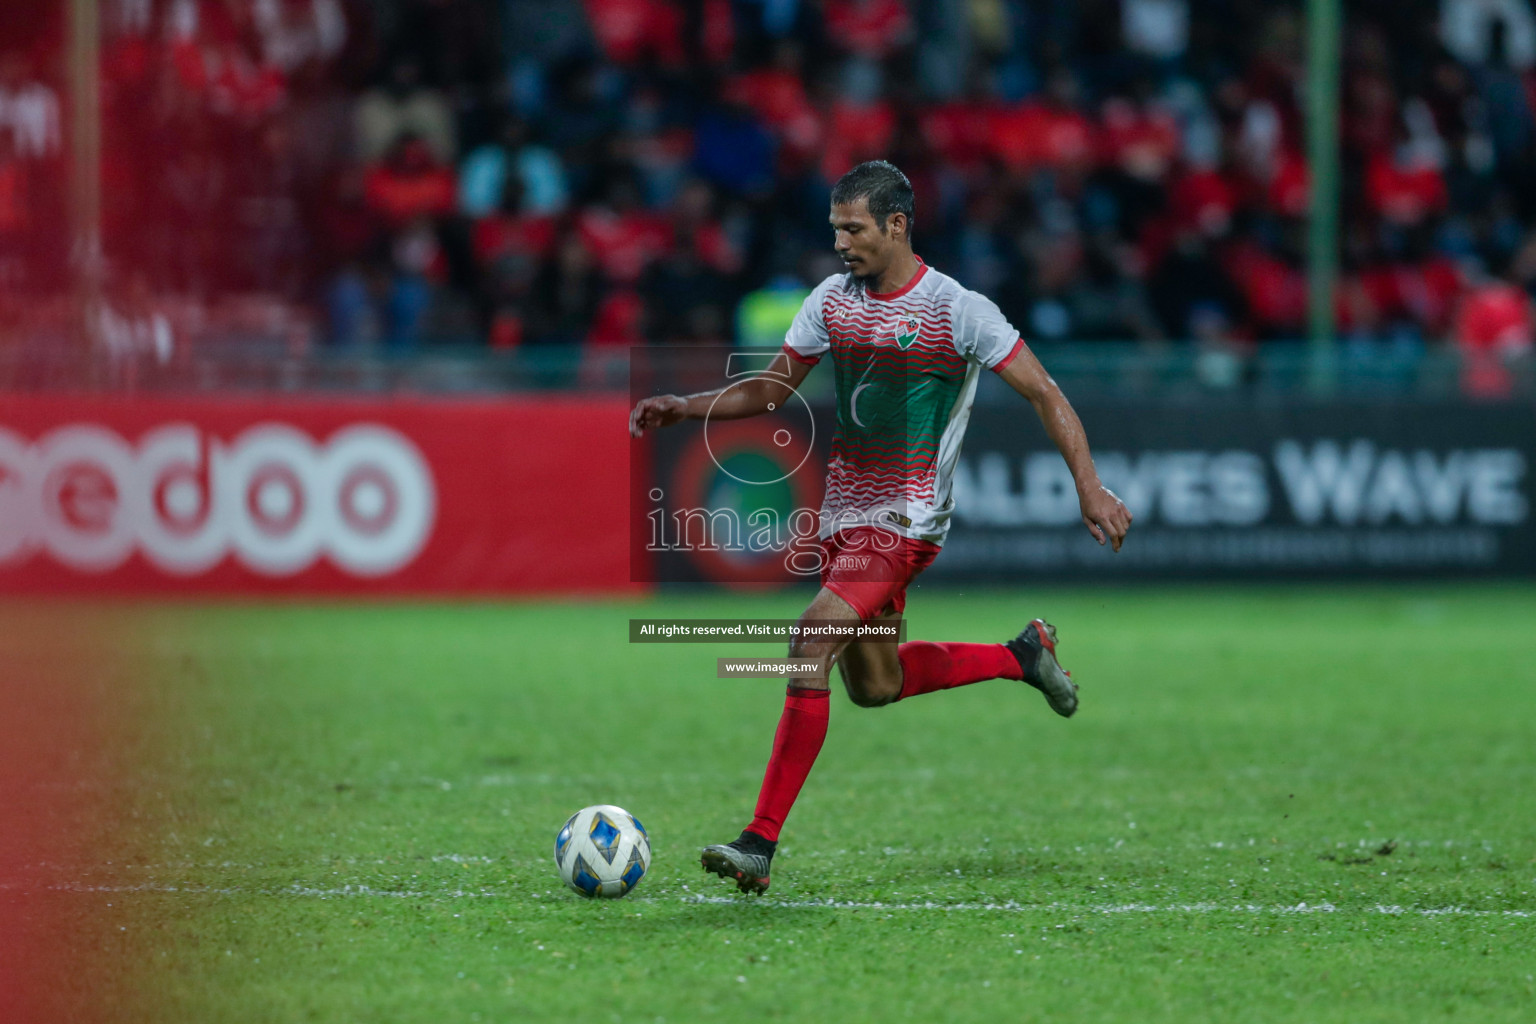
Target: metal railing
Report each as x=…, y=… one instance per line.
x=1128, y=369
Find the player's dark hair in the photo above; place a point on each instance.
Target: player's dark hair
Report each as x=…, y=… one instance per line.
x=882, y=186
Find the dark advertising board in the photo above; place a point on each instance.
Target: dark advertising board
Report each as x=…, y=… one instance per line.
x=1220, y=489
x=1239, y=491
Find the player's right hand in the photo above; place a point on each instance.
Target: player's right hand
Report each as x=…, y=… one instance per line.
x=656, y=411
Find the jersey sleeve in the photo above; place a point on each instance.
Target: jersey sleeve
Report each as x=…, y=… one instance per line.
x=982, y=334
x=807, y=340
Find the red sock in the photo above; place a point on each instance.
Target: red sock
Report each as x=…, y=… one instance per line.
x=926, y=667
x=802, y=728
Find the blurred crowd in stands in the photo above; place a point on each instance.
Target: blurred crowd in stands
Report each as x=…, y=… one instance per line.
x=615, y=172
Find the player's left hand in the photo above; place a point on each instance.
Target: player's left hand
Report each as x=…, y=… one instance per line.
x=1105, y=515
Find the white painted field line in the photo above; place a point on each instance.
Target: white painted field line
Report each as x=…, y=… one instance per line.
x=359, y=891
x=1123, y=908
x=368, y=890
x=291, y=890
x=85, y=887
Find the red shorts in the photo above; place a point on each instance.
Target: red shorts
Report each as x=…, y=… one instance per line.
x=870, y=568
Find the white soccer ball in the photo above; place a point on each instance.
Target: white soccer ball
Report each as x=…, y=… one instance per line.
x=603, y=851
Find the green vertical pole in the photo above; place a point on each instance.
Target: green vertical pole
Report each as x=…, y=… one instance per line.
x=85, y=160
x=1323, y=29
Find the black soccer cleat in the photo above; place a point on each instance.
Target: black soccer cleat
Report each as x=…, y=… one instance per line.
x=744, y=860
x=1035, y=648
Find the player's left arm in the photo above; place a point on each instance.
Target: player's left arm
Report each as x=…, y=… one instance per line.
x=1104, y=514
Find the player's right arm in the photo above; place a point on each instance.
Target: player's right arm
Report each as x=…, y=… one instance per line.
x=751, y=397
x=806, y=342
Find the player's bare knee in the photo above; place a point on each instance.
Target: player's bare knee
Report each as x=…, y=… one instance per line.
x=867, y=691
x=872, y=698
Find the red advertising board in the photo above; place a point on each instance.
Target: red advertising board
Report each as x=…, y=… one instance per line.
x=314, y=495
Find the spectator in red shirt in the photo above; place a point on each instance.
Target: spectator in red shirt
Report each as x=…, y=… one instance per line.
x=856, y=132
x=1417, y=289
x=622, y=234
x=1204, y=199
x=1493, y=330
x=511, y=233
x=409, y=183
x=630, y=31
x=1051, y=132
x=1404, y=185
x=1139, y=136
x=776, y=94
x=961, y=132
x=874, y=29
x=1274, y=288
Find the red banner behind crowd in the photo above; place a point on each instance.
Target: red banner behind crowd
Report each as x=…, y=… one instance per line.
x=313, y=495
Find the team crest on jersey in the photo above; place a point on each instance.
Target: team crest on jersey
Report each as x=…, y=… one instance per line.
x=906, y=332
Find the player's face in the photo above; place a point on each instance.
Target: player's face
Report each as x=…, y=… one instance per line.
x=859, y=242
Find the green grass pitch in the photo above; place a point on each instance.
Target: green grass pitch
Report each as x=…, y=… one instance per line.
x=1291, y=804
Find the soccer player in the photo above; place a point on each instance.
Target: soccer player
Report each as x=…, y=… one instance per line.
x=907, y=345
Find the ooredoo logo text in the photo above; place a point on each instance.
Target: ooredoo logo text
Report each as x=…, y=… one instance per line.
x=273, y=497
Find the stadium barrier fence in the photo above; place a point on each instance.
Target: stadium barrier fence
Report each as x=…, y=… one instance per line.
x=264, y=365
x=332, y=494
